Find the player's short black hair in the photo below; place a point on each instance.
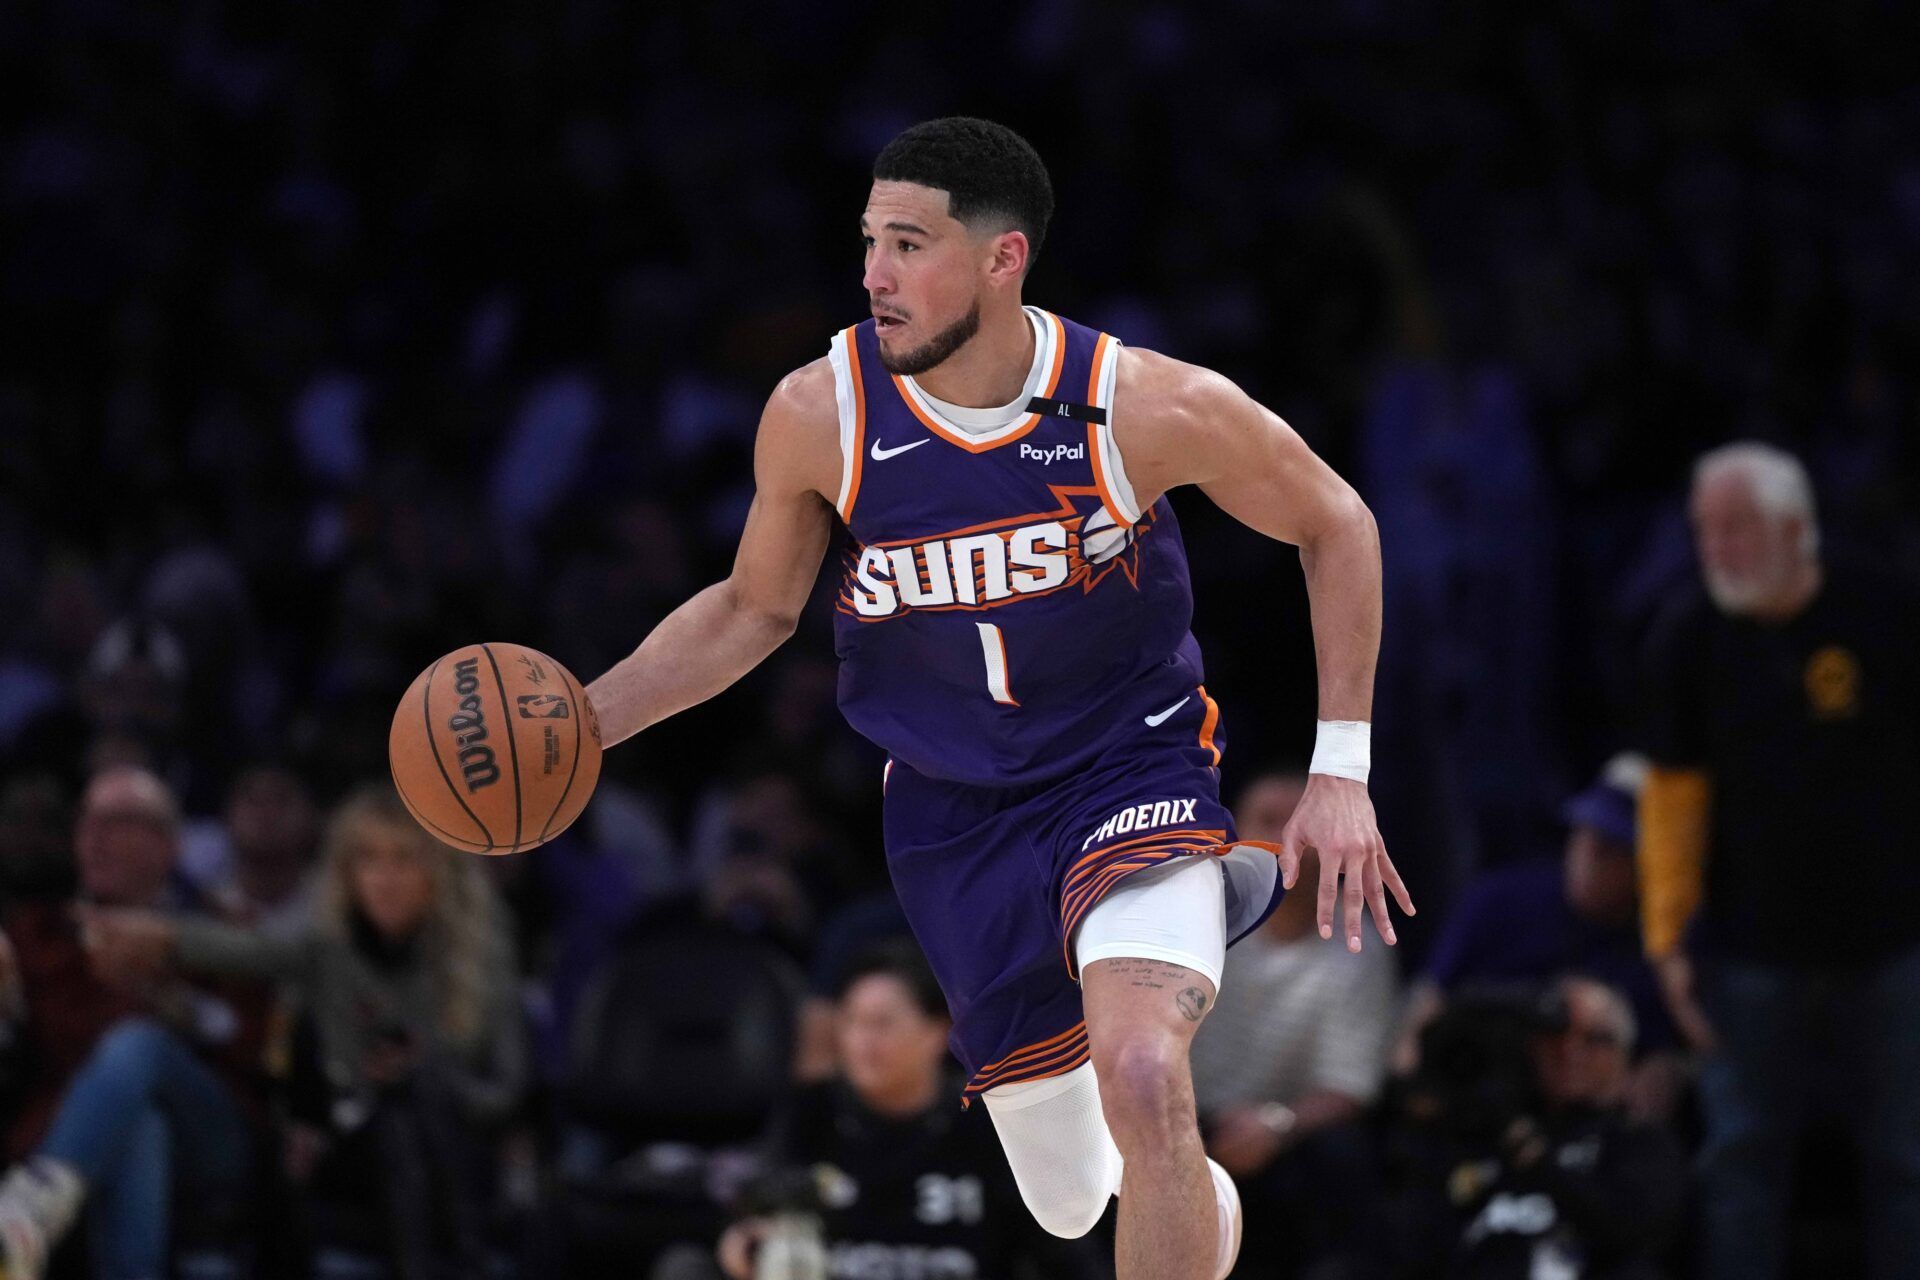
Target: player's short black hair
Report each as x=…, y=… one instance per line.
x=900, y=959
x=989, y=172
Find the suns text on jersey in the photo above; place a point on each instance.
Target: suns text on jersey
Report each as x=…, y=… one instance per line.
x=975, y=569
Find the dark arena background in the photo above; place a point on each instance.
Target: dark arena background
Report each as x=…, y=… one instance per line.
x=340, y=335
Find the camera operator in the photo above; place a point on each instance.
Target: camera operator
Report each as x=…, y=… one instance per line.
x=904, y=1183
x=1545, y=1175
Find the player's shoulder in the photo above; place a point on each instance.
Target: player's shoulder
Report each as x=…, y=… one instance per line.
x=799, y=438
x=804, y=399
x=1160, y=391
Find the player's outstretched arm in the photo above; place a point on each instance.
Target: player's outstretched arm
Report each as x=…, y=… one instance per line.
x=1180, y=424
x=725, y=631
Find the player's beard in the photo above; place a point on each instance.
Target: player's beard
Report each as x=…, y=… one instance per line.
x=935, y=350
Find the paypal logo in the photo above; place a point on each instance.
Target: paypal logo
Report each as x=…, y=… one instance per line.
x=1054, y=454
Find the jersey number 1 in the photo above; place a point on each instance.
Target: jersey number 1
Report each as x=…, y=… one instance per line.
x=994, y=650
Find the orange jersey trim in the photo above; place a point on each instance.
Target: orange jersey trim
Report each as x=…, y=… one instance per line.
x=1095, y=883
x=1207, y=725
x=1157, y=837
x=1101, y=480
x=859, y=423
x=1093, y=376
x=1027, y=1051
x=1074, y=906
x=1033, y=419
x=1042, y=1065
x=1053, y=1056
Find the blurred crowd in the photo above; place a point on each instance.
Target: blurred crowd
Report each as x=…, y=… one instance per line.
x=354, y=1052
x=340, y=336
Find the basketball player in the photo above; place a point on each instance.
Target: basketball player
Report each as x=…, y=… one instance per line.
x=1013, y=629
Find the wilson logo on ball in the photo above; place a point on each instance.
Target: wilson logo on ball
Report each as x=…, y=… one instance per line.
x=469, y=728
x=543, y=706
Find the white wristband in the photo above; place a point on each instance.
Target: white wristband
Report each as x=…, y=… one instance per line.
x=1343, y=748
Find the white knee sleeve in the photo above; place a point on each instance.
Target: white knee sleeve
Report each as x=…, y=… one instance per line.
x=1056, y=1140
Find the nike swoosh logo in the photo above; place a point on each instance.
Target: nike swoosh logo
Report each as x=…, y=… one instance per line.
x=881, y=455
x=1162, y=717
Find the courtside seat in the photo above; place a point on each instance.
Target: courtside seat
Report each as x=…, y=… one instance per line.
x=682, y=1048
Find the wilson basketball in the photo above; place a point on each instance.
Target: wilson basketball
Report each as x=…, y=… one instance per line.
x=495, y=748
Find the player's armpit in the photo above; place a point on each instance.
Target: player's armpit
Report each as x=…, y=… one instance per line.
x=1178, y=424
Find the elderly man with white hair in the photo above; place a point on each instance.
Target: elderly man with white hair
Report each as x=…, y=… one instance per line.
x=1780, y=856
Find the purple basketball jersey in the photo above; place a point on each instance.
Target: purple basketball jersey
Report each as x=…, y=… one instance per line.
x=1006, y=614
x=1013, y=629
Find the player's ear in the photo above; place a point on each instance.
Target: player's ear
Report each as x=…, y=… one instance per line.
x=1009, y=256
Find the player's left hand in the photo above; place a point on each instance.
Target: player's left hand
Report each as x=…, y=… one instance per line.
x=1335, y=819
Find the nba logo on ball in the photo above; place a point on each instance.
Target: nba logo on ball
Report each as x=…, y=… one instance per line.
x=542, y=706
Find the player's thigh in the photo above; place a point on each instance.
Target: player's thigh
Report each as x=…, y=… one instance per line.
x=1063, y=1158
x=1150, y=956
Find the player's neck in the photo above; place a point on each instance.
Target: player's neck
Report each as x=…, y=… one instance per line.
x=991, y=369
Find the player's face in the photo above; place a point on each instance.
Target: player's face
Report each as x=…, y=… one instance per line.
x=888, y=1047
x=924, y=275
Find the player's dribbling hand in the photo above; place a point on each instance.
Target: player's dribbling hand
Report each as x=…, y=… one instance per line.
x=1335, y=819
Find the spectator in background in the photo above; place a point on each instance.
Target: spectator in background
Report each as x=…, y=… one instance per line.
x=1526, y=923
x=1291, y=1056
x=125, y=1101
x=861, y=925
x=413, y=1045
x=1577, y=1190
x=1783, y=720
x=765, y=859
x=133, y=691
x=908, y=1183
x=260, y=870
